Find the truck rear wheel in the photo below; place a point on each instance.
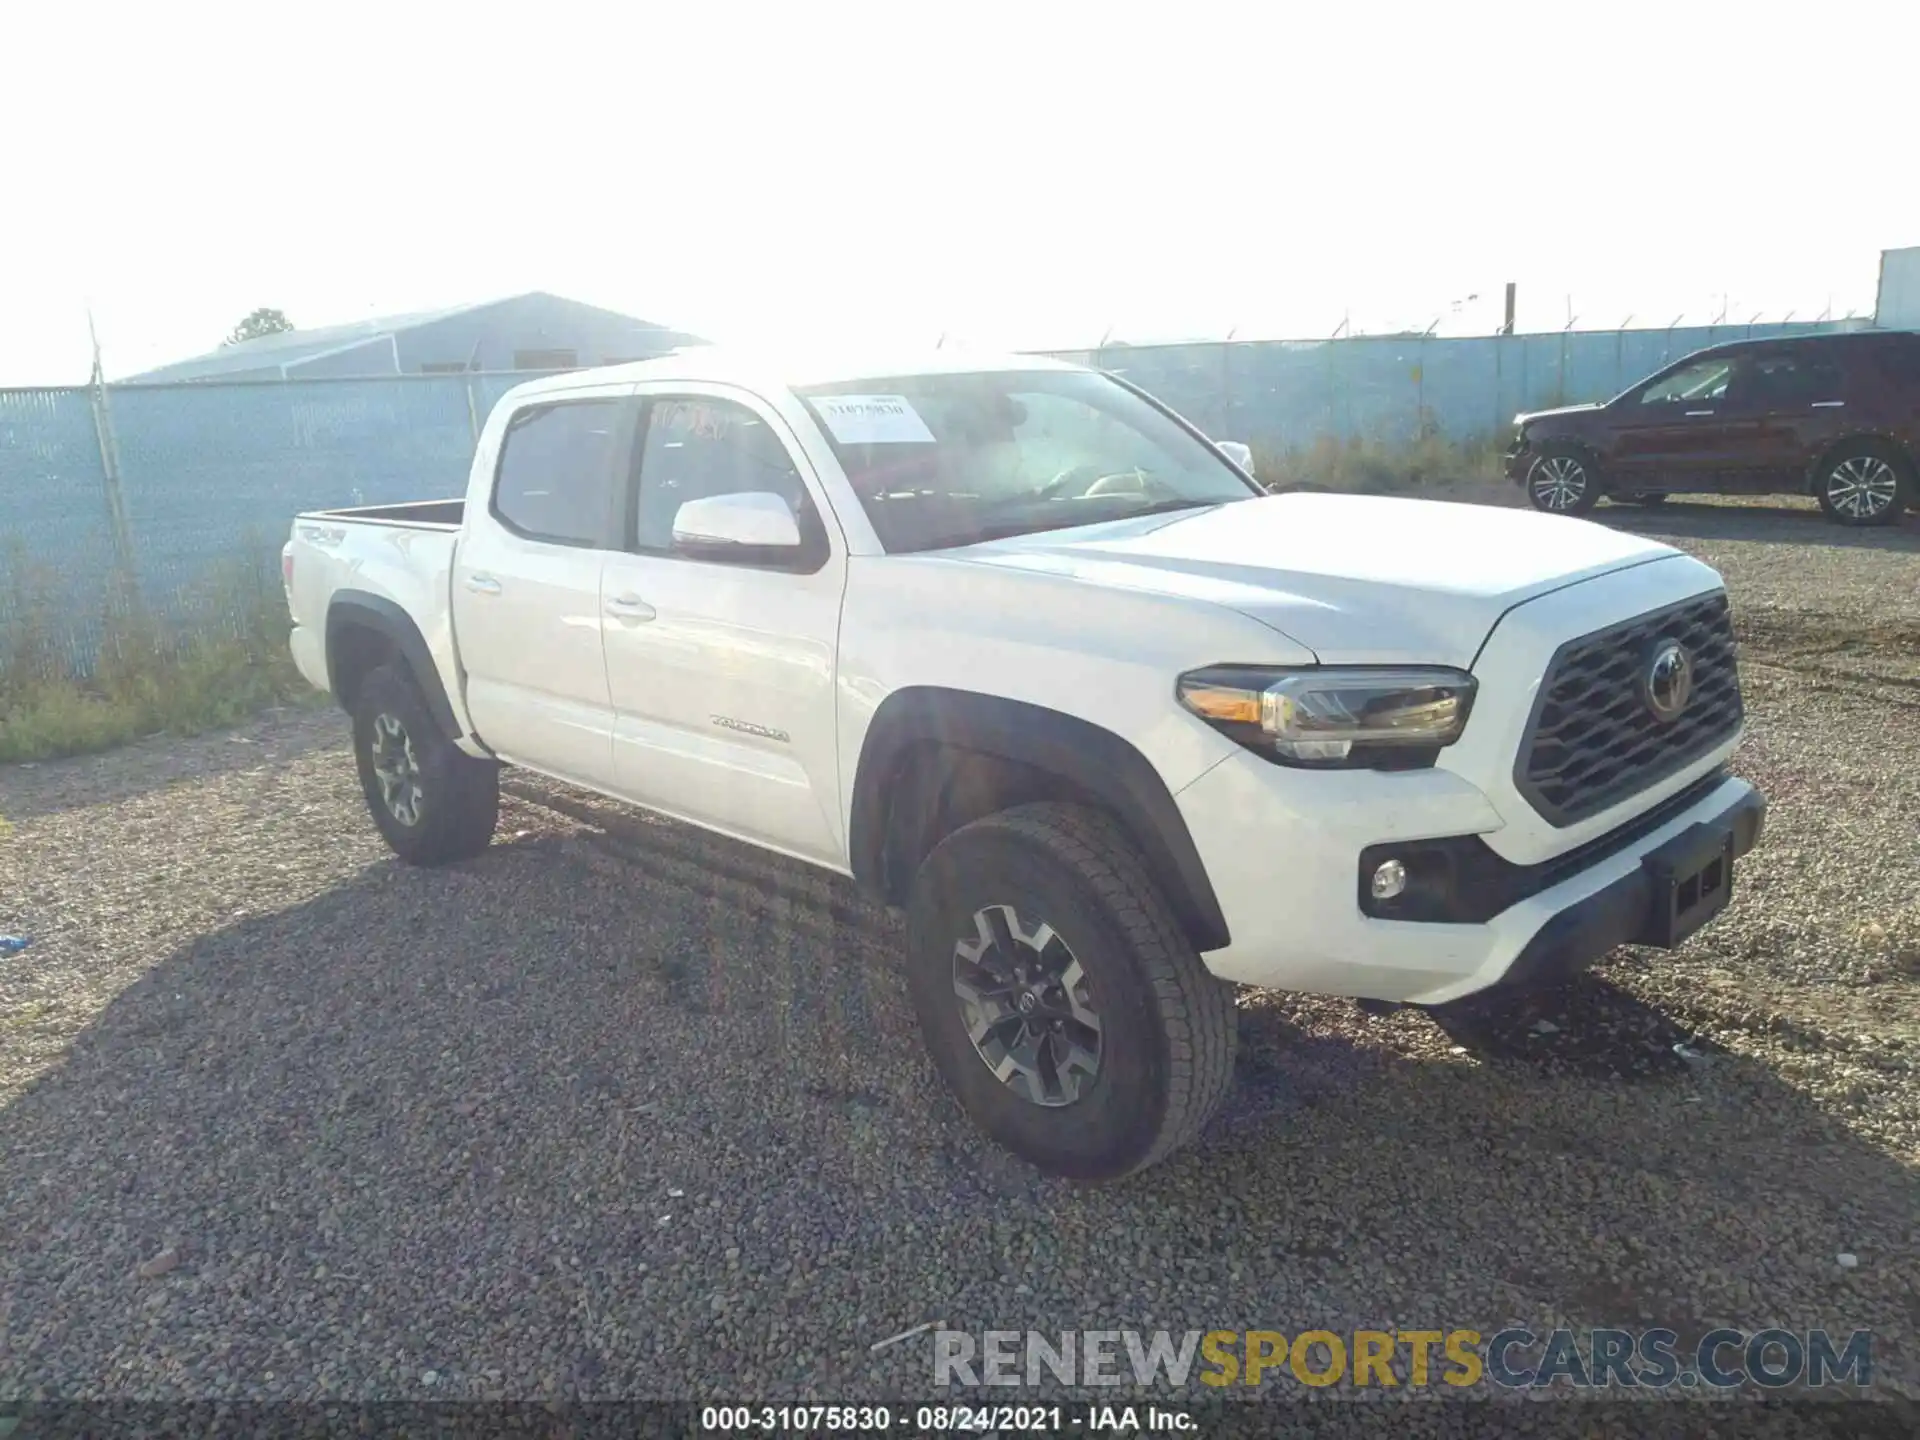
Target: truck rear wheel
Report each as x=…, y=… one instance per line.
x=431, y=802
x=1062, y=1005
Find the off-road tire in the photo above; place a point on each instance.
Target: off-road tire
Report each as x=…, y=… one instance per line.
x=1168, y=1026
x=459, y=799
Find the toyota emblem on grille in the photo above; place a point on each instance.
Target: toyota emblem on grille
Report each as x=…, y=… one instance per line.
x=1669, y=680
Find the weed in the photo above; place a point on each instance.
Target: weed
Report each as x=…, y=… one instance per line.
x=212, y=658
x=1377, y=467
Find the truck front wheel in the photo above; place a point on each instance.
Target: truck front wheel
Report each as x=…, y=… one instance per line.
x=432, y=803
x=1062, y=1005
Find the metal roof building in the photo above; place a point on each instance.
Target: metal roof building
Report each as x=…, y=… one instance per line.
x=535, y=331
x=1897, y=306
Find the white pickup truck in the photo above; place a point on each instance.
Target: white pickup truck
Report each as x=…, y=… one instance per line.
x=1023, y=652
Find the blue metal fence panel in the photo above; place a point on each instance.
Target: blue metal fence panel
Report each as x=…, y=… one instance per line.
x=208, y=473
x=208, y=468
x=55, y=542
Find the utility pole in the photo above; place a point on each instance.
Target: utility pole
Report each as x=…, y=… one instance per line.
x=1506, y=327
x=109, y=458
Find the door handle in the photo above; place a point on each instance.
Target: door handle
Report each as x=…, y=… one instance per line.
x=629, y=607
x=1699, y=412
x=1828, y=404
x=483, y=585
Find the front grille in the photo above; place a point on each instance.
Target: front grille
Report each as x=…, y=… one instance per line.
x=1594, y=739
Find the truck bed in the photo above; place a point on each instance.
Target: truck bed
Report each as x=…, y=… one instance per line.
x=435, y=514
x=392, y=558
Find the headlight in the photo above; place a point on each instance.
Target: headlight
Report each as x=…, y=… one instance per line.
x=1334, y=718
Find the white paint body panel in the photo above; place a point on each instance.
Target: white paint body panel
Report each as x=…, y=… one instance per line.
x=1356, y=579
x=410, y=565
x=1510, y=669
x=726, y=647
x=527, y=630
x=1281, y=858
x=742, y=700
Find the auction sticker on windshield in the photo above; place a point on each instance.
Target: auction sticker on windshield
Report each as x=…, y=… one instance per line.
x=873, y=420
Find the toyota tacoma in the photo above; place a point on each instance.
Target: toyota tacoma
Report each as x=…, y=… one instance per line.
x=1026, y=655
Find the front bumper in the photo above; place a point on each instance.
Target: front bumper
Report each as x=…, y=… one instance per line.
x=1283, y=849
x=1517, y=462
x=1632, y=910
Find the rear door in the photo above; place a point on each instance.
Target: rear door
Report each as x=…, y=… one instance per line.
x=1794, y=398
x=1675, y=433
x=526, y=585
x=722, y=671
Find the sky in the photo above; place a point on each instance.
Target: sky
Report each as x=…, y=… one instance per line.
x=1032, y=175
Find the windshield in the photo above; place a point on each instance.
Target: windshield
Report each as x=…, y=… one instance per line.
x=941, y=460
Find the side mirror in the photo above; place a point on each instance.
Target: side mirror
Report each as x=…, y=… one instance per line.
x=757, y=520
x=1241, y=455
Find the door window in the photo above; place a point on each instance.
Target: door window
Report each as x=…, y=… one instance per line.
x=1777, y=382
x=1900, y=358
x=1703, y=381
x=697, y=447
x=557, y=476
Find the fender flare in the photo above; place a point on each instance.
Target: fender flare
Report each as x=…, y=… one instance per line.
x=1091, y=759
x=361, y=610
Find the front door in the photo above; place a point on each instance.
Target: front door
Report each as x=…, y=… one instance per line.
x=1675, y=432
x=526, y=587
x=722, y=671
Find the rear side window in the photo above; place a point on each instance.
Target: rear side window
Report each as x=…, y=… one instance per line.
x=1782, y=380
x=557, y=478
x=1900, y=358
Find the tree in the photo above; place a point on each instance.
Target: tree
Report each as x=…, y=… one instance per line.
x=261, y=322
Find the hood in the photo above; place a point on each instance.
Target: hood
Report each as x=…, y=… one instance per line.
x=1355, y=579
x=1527, y=417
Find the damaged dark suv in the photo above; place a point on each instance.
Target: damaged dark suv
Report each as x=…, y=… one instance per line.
x=1836, y=417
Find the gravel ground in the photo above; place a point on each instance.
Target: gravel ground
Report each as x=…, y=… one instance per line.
x=621, y=1109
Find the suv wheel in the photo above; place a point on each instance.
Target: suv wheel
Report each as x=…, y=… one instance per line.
x=431, y=802
x=1062, y=1005
x=1864, y=484
x=1562, y=482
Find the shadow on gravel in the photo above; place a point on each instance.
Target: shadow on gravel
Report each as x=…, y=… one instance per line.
x=639, y=1112
x=1766, y=524
x=47, y=787
x=1588, y=1027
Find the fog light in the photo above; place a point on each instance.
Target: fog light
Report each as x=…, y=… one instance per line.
x=1389, y=880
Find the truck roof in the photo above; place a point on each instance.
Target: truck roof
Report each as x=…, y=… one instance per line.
x=791, y=369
